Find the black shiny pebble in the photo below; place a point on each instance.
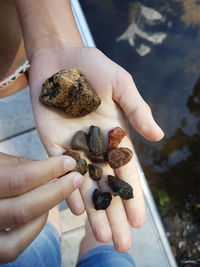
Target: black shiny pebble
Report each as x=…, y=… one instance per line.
x=120, y=188
x=101, y=200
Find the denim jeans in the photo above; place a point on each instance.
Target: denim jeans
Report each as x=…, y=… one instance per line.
x=45, y=251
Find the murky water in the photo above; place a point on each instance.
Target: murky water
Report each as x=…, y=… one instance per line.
x=158, y=42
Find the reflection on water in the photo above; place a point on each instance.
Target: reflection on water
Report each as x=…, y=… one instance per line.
x=158, y=42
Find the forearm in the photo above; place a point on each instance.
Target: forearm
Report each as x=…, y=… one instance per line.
x=47, y=25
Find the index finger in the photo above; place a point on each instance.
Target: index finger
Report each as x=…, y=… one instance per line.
x=16, y=180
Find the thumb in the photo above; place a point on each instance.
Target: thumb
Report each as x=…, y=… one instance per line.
x=135, y=108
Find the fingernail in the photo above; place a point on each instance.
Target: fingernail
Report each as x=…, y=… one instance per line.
x=77, y=180
x=69, y=163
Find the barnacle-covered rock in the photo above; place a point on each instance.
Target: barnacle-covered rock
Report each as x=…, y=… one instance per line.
x=69, y=91
x=120, y=188
x=117, y=157
x=101, y=200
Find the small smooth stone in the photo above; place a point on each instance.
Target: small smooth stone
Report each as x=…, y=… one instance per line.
x=97, y=158
x=69, y=91
x=96, y=142
x=120, y=188
x=73, y=154
x=101, y=200
x=115, y=137
x=79, y=141
x=95, y=172
x=117, y=157
x=81, y=166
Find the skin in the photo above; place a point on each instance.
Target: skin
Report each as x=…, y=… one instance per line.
x=52, y=42
x=120, y=101
x=28, y=190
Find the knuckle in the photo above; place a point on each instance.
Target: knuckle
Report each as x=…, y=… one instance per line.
x=61, y=191
x=22, y=160
x=55, y=169
x=17, y=182
x=19, y=215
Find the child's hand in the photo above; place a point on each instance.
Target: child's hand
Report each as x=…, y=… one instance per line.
x=120, y=101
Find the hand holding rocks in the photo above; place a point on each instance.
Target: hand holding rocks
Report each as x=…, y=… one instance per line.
x=93, y=143
x=119, y=100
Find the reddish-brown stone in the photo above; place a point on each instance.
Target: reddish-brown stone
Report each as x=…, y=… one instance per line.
x=115, y=137
x=118, y=157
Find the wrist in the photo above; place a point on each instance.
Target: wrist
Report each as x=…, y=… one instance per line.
x=56, y=45
x=47, y=26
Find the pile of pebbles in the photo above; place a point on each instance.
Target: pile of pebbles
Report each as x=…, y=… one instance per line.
x=70, y=92
x=93, y=145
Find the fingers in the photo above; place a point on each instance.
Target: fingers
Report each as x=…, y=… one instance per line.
x=117, y=218
x=75, y=203
x=16, y=180
x=13, y=242
x=135, y=108
x=22, y=209
x=8, y=160
x=98, y=219
x=135, y=208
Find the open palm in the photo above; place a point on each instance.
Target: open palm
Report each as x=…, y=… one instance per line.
x=120, y=101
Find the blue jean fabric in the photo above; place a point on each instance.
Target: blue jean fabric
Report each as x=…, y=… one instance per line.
x=45, y=251
x=105, y=256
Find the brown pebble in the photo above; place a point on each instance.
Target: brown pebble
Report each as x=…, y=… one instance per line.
x=79, y=141
x=121, y=188
x=101, y=200
x=118, y=157
x=81, y=166
x=115, y=137
x=73, y=154
x=96, y=142
x=95, y=172
x=97, y=158
x=69, y=91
